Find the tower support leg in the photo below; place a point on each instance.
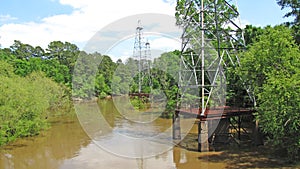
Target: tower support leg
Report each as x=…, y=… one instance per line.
x=176, y=126
x=203, y=144
x=258, y=137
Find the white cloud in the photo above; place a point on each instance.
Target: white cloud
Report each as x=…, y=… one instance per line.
x=165, y=44
x=5, y=18
x=88, y=17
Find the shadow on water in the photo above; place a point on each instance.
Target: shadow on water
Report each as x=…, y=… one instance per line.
x=235, y=156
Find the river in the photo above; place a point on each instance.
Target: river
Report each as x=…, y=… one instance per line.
x=65, y=145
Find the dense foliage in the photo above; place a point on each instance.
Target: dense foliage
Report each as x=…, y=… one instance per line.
x=272, y=66
x=34, y=85
x=24, y=102
x=294, y=11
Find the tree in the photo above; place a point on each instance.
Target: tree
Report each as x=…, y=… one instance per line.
x=274, y=50
x=106, y=68
x=279, y=112
x=119, y=62
x=251, y=34
x=24, y=102
x=66, y=53
x=122, y=81
x=5, y=54
x=22, y=51
x=84, y=76
x=102, y=88
x=294, y=6
x=53, y=69
x=272, y=65
x=38, y=52
x=165, y=78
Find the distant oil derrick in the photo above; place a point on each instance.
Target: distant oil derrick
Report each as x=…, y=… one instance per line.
x=142, y=54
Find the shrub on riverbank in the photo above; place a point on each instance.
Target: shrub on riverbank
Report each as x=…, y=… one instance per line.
x=24, y=102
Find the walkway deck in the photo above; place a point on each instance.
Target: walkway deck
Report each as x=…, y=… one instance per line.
x=217, y=112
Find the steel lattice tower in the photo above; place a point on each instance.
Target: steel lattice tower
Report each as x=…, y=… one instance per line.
x=142, y=54
x=211, y=40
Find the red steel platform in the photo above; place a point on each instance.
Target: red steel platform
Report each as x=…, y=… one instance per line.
x=213, y=113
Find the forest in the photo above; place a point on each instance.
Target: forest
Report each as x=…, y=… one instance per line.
x=35, y=82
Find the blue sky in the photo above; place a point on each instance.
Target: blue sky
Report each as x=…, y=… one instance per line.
x=39, y=22
x=261, y=12
x=31, y=10
x=257, y=12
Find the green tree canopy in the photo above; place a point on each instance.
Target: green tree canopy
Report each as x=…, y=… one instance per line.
x=24, y=102
x=272, y=65
x=294, y=6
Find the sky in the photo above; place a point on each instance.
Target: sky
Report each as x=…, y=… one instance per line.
x=38, y=22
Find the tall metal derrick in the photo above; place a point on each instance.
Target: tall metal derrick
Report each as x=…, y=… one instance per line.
x=211, y=40
x=142, y=54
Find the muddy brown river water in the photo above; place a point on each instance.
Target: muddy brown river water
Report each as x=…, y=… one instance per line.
x=67, y=146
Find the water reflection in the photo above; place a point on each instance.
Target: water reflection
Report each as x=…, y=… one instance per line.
x=121, y=136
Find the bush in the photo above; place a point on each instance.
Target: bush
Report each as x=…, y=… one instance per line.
x=24, y=102
x=279, y=113
x=272, y=65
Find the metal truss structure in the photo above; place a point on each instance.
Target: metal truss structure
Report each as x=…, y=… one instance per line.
x=142, y=55
x=211, y=40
